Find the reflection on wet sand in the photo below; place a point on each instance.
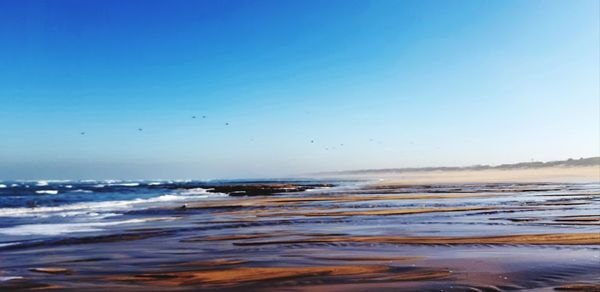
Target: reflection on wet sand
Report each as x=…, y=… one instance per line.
x=236, y=276
x=558, y=239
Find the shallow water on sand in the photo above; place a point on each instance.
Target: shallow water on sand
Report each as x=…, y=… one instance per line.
x=355, y=236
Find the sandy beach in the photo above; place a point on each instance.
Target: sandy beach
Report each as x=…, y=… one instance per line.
x=572, y=174
x=415, y=232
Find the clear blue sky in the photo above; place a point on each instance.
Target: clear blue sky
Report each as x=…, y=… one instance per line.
x=430, y=82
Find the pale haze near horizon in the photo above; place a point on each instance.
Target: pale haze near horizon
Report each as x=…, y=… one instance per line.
x=398, y=83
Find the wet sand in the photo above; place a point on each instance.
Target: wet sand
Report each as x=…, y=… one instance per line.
x=355, y=237
x=554, y=239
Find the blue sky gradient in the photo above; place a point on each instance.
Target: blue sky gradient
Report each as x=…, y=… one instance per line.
x=399, y=83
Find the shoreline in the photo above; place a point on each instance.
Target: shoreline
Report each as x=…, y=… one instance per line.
x=414, y=237
x=559, y=174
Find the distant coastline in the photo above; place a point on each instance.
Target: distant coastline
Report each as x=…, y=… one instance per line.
x=581, y=162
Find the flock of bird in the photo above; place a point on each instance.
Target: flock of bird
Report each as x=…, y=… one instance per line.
x=227, y=124
x=141, y=129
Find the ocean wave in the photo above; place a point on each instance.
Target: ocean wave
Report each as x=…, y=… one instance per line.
x=81, y=191
x=124, y=184
x=91, y=208
x=8, y=278
x=41, y=183
x=3, y=244
x=2, y=186
x=194, y=191
x=47, y=192
x=64, y=228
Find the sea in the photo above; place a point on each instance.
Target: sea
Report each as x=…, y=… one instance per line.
x=37, y=209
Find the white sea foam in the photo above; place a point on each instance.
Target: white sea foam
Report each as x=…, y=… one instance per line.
x=94, y=208
x=195, y=191
x=8, y=278
x=2, y=186
x=124, y=184
x=41, y=183
x=81, y=191
x=47, y=192
x=63, y=228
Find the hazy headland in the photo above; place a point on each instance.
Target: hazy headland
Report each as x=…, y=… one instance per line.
x=570, y=170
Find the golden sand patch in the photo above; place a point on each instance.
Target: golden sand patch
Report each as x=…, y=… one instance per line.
x=281, y=201
x=212, y=263
x=579, y=287
x=528, y=175
x=378, y=197
x=240, y=276
x=366, y=258
x=386, y=212
x=236, y=276
x=258, y=212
